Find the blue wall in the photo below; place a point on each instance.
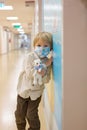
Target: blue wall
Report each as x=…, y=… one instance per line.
x=53, y=23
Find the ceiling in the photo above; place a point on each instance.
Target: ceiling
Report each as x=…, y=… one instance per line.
x=24, y=13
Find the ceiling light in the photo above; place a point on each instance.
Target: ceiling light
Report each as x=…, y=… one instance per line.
x=6, y=8
x=12, y=18
x=20, y=30
x=16, y=24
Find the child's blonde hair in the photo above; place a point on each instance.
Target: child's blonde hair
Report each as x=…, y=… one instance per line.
x=44, y=36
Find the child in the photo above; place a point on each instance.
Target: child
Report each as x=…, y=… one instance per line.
x=29, y=95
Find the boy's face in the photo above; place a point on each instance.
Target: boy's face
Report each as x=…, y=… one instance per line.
x=42, y=48
x=41, y=43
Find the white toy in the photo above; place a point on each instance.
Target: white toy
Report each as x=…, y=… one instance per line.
x=38, y=66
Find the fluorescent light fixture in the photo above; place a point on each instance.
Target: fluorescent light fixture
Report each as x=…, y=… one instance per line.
x=6, y=8
x=16, y=24
x=20, y=30
x=12, y=18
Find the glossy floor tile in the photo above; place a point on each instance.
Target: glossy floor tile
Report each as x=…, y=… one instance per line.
x=10, y=66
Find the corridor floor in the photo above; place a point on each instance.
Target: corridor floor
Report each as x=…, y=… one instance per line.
x=10, y=66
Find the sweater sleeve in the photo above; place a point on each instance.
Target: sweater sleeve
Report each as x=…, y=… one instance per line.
x=28, y=66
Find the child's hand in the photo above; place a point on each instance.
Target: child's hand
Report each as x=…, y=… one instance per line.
x=49, y=61
x=42, y=72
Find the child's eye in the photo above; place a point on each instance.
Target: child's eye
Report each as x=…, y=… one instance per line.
x=39, y=45
x=45, y=45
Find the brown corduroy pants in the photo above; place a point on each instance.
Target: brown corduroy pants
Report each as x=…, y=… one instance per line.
x=27, y=109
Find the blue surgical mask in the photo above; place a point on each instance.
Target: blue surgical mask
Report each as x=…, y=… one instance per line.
x=42, y=51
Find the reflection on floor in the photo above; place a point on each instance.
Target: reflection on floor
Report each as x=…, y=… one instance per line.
x=10, y=66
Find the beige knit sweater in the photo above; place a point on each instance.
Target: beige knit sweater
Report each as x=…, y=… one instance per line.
x=25, y=86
